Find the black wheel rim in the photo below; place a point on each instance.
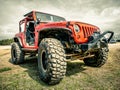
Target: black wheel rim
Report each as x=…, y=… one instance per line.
x=14, y=55
x=44, y=60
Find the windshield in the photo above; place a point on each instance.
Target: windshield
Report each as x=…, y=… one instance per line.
x=48, y=18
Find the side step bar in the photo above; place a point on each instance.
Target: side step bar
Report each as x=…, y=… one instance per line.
x=28, y=50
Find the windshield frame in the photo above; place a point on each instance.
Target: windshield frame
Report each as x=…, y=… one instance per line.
x=63, y=19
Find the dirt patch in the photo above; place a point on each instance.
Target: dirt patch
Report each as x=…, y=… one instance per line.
x=5, y=47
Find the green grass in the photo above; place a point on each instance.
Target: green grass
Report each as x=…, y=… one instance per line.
x=4, y=69
x=78, y=76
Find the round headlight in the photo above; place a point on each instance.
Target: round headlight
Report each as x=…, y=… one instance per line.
x=76, y=27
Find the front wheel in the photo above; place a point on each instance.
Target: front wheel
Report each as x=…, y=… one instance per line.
x=17, y=55
x=99, y=59
x=51, y=61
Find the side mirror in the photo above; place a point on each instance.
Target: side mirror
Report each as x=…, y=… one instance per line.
x=38, y=20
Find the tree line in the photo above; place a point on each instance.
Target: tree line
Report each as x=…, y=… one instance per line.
x=6, y=41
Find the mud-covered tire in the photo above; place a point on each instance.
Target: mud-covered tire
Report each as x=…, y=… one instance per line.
x=51, y=61
x=17, y=55
x=98, y=60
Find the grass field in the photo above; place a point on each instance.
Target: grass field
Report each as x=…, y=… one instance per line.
x=78, y=76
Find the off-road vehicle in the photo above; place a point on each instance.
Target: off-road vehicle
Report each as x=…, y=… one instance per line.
x=56, y=41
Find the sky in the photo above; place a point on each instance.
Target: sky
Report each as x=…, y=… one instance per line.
x=102, y=13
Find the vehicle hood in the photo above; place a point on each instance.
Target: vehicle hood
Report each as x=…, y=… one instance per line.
x=63, y=24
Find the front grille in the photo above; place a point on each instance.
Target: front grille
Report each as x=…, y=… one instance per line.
x=88, y=31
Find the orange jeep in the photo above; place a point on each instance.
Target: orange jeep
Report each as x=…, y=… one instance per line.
x=56, y=41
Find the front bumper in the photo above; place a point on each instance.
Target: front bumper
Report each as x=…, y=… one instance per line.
x=99, y=42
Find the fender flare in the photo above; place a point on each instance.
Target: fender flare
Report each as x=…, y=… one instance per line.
x=17, y=39
x=55, y=29
x=67, y=30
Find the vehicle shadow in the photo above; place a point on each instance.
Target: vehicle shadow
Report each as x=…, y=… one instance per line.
x=74, y=67
x=32, y=68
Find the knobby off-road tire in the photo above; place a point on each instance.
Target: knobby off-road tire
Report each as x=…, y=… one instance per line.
x=17, y=55
x=51, y=61
x=99, y=59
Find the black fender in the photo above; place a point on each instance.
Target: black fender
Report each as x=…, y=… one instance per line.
x=47, y=32
x=56, y=28
x=17, y=39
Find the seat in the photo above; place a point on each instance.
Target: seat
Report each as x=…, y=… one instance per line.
x=30, y=33
x=31, y=27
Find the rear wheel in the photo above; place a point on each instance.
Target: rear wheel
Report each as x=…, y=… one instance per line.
x=98, y=60
x=51, y=61
x=17, y=55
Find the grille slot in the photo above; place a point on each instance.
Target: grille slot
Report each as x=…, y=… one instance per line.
x=88, y=31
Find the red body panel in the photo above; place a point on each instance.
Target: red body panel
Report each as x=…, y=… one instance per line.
x=80, y=37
